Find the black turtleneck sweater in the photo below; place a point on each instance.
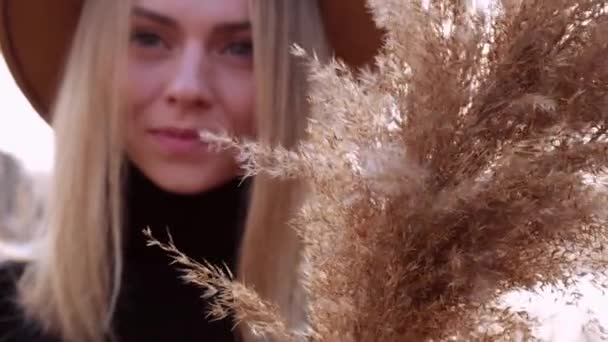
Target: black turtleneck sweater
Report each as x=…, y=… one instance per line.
x=154, y=303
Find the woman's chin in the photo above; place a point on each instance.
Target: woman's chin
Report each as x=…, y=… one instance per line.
x=190, y=180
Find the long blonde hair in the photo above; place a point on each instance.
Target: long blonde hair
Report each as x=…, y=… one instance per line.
x=73, y=281
x=71, y=285
x=270, y=250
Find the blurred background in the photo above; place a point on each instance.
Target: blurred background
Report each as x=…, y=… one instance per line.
x=26, y=155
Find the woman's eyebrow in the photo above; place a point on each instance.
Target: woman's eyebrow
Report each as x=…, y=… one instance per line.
x=225, y=28
x=154, y=16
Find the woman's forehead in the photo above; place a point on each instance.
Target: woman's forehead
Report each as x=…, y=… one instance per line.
x=201, y=14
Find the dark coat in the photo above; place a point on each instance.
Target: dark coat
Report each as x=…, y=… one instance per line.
x=154, y=304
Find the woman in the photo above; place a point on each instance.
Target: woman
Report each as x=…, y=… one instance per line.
x=140, y=79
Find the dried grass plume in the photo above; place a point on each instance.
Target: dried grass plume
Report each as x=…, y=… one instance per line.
x=463, y=166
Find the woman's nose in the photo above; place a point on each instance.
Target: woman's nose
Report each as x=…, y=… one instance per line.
x=189, y=88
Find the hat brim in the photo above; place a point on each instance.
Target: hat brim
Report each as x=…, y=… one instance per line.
x=351, y=30
x=35, y=36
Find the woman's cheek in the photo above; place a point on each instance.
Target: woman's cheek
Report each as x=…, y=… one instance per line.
x=145, y=80
x=137, y=83
x=238, y=94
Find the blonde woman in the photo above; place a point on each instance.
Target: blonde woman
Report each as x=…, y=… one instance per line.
x=127, y=85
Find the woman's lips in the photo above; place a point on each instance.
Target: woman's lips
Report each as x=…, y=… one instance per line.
x=178, y=141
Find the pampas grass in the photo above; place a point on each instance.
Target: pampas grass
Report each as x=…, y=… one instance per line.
x=454, y=172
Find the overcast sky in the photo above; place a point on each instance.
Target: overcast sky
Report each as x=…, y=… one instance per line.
x=22, y=132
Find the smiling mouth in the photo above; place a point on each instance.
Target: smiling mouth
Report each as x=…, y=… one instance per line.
x=176, y=133
x=179, y=142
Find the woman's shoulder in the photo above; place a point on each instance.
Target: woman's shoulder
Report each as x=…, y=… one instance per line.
x=9, y=276
x=14, y=326
x=10, y=272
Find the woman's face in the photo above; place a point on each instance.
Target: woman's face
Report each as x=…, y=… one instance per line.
x=189, y=69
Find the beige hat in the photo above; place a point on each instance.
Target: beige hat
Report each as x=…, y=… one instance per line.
x=35, y=35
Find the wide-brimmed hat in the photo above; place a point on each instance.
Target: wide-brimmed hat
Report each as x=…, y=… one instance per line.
x=35, y=36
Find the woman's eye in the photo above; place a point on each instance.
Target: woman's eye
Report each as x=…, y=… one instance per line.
x=241, y=49
x=147, y=39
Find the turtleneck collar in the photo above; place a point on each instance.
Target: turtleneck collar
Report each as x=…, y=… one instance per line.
x=155, y=304
x=204, y=226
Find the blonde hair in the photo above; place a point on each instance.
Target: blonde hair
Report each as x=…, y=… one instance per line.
x=270, y=250
x=72, y=283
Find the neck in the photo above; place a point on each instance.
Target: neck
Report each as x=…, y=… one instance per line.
x=206, y=226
